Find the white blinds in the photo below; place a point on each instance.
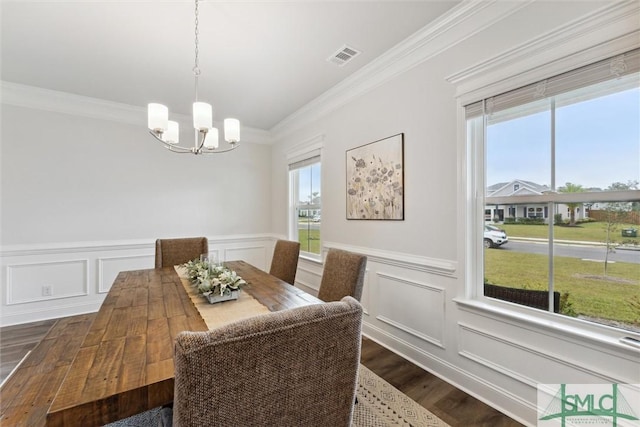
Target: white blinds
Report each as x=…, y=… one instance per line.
x=298, y=164
x=614, y=69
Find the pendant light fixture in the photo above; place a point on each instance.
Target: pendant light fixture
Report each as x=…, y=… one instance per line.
x=206, y=136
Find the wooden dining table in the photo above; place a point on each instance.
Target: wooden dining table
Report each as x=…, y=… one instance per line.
x=125, y=363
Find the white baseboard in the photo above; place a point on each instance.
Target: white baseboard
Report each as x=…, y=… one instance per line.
x=56, y=312
x=500, y=399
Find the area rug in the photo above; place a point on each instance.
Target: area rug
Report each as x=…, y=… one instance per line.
x=379, y=405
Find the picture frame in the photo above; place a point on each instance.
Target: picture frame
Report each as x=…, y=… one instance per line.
x=375, y=180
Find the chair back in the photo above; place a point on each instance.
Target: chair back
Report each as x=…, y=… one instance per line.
x=294, y=367
x=170, y=252
x=343, y=275
x=285, y=260
x=529, y=297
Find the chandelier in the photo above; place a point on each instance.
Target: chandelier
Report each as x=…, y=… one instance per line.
x=206, y=136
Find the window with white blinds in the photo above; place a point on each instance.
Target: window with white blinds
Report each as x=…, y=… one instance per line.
x=306, y=202
x=556, y=171
x=616, y=74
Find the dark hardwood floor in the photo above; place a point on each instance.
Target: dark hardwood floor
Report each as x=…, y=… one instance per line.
x=450, y=404
x=16, y=341
x=444, y=400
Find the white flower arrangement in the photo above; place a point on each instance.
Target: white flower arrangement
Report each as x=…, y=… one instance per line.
x=211, y=279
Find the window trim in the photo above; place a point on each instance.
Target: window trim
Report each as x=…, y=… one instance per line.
x=598, y=336
x=301, y=154
x=471, y=168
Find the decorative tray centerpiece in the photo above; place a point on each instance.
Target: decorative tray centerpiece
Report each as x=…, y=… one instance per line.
x=215, y=282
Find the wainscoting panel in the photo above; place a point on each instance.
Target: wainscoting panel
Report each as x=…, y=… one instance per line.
x=108, y=268
x=411, y=306
x=521, y=361
x=308, y=276
x=28, y=283
x=78, y=275
x=254, y=255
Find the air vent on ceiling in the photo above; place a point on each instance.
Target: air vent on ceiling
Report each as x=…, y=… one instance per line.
x=343, y=55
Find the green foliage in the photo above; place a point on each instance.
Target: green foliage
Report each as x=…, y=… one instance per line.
x=209, y=278
x=530, y=221
x=572, y=188
x=591, y=294
x=634, y=305
x=566, y=306
x=309, y=240
x=557, y=219
x=619, y=186
x=585, y=220
x=586, y=232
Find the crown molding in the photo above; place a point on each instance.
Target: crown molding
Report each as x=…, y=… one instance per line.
x=455, y=26
x=608, y=31
x=20, y=95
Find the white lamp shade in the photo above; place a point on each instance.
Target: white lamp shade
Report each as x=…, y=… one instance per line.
x=202, y=116
x=211, y=140
x=232, y=130
x=158, y=117
x=172, y=135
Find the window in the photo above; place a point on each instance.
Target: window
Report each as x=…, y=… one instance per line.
x=306, y=204
x=572, y=143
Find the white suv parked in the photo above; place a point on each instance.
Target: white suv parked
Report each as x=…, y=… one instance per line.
x=494, y=236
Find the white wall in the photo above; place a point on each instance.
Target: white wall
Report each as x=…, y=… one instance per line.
x=97, y=193
x=416, y=272
x=85, y=197
x=72, y=178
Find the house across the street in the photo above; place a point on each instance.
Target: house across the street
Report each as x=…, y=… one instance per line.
x=511, y=212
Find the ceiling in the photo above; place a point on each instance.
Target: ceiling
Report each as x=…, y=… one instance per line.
x=261, y=61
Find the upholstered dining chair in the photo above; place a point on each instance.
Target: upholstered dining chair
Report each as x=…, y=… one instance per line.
x=294, y=367
x=343, y=275
x=170, y=252
x=285, y=260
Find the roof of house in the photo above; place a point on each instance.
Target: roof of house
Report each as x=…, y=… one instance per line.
x=509, y=188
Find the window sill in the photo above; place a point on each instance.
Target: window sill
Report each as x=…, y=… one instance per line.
x=316, y=259
x=580, y=332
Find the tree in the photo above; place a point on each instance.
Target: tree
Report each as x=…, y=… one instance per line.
x=572, y=188
x=630, y=185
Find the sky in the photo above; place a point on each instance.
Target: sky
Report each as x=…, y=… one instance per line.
x=597, y=143
x=309, y=182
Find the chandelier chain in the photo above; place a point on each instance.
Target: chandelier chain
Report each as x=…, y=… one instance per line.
x=196, y=68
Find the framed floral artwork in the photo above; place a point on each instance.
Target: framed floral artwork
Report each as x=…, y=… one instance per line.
x=375, y=180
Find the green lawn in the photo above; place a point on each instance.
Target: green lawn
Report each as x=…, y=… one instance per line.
x=586, y=232
x=309, y=240
x=594, y=297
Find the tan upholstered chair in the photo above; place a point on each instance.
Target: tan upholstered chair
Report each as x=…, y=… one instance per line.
x=343, y=275
x=295, y=367
x=285, y=260
x=170, y=252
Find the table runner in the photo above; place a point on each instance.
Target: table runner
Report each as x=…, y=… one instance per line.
x=221, y=313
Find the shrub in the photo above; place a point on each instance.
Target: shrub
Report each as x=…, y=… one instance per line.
x=566, y=306
x=531, y=221
x=557, y=219
x=585, y=220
